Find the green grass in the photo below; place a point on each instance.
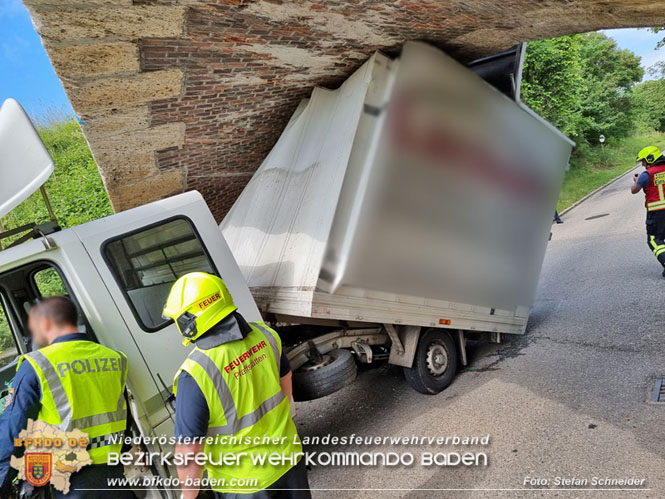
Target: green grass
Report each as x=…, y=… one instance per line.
x=591, y=167
x=75, y=189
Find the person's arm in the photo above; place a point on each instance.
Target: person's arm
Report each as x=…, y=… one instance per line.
x=640, y=182
x=191, y=470
x=287, y=386
x=191, y=421
x=285, y=381
x=25, y=402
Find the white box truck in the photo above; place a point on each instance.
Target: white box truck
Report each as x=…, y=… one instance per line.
x=409, y=209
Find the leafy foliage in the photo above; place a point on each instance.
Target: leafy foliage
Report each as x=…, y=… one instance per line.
x=6, y=339
x=658, y=29
x=649, y=103
x=657, y=70
x=75, y=189
x=582, y=84
x=552, y=82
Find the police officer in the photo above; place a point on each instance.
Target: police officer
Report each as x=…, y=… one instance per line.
x=652, y=182
x=70, y=383
x=235, y=387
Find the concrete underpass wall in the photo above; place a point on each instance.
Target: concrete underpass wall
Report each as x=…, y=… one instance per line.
x=179, y=95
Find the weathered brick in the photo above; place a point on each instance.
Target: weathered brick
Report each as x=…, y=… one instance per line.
x=124, y=91
x=124, y=146
x=161, y=185
x=119, y=169
x=87, y=60
x=74, y=22
x=105, y=123
x=77, y=3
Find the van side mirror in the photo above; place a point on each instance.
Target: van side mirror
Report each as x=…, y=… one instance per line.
x=25, y=164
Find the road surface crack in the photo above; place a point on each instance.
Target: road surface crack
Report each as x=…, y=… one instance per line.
x=588, y=344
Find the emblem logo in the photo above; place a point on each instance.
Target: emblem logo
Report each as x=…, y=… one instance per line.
x=37, y=468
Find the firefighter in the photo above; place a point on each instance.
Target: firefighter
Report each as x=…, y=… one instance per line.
x=70, y=383
x=652, y=182
x=235, y=388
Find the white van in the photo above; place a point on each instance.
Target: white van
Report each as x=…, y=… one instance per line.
x=118, y=270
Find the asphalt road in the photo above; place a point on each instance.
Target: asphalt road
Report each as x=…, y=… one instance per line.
x=569, y=399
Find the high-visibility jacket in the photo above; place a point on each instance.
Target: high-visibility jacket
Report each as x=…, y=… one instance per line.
x=248, y=412
x=83, y=385
x=655, y=198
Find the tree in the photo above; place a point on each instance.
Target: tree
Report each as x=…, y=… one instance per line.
x=657, y=70
x=658, y=29
x=649, y=103
x=552, y=82
x=609, y=74
x=582, y=85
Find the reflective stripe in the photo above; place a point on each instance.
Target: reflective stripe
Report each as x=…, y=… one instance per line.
x=221, y=388
x=254, y=417
x=273, y=343
x=123, y=374
x=657, y=248
x=97, y=419
x=233, y=423
x=220, y=430
x=654, y=205
x=57, y=390
x=248, y=419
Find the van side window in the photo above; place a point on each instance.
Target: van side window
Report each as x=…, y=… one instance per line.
x=148, y=261
x=49, y=283
x=8, y=348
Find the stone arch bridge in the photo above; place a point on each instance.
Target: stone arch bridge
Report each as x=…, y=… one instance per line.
x=186, y=94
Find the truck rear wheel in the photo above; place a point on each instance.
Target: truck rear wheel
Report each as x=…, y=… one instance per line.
x=334, y=370
x=435, y=363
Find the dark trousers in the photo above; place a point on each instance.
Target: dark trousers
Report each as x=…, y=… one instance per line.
x=291, y=485
x=557, y=218
x=656, y=234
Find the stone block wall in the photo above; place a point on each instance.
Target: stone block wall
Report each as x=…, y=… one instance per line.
x=185, y=94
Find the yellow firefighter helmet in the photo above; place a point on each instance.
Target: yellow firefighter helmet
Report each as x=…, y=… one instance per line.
x=197, y=301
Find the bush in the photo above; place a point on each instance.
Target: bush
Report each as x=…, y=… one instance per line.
x=582, y=85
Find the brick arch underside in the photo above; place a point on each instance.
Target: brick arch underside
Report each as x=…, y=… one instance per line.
x=181, y=95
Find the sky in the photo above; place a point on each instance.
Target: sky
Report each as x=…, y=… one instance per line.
x=26, y=73
x=640, y=41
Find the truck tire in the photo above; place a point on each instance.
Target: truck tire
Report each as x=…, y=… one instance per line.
x=336, y=370
x=435, y=363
